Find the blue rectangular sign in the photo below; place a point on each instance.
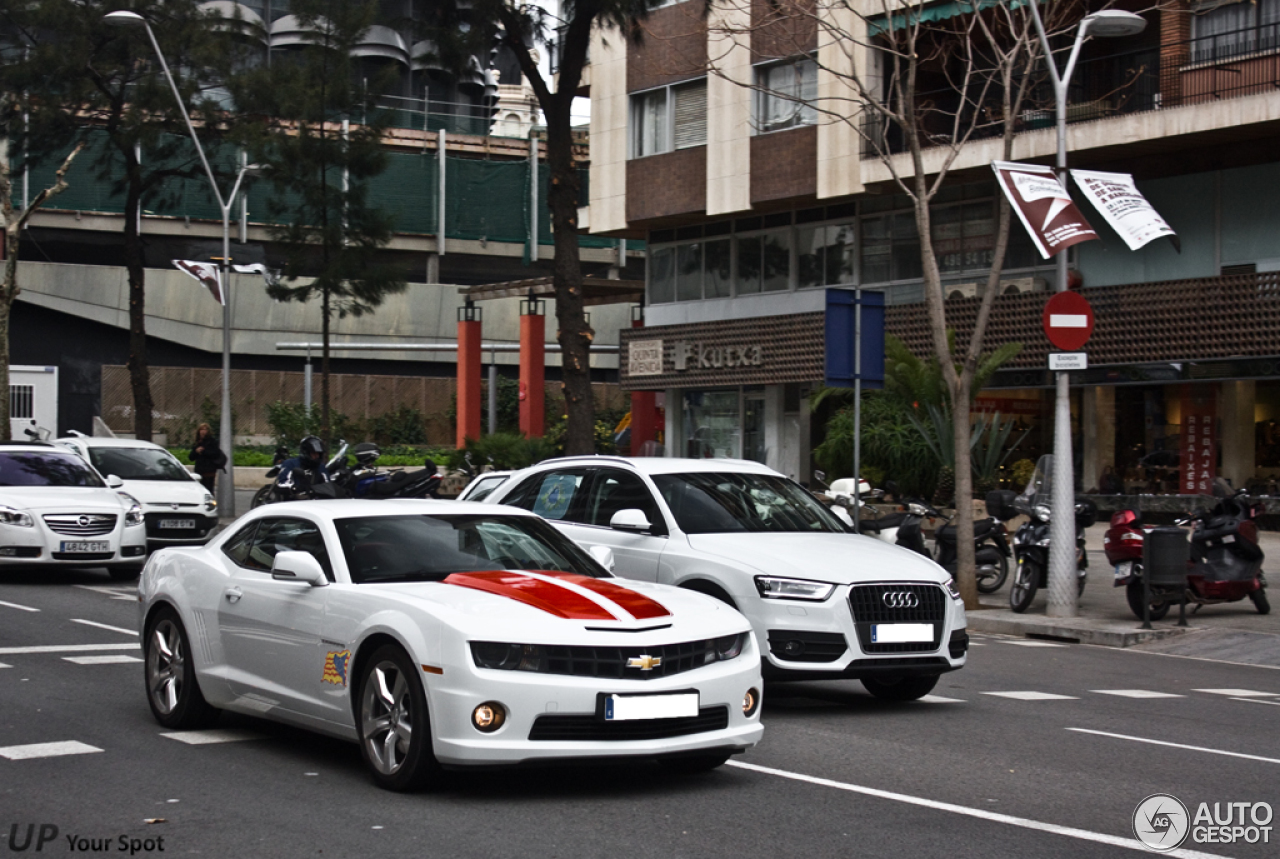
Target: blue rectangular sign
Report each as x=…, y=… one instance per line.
x=840, y=328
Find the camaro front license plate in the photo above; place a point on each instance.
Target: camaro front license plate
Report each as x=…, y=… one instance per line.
x=618, y=708
x=177, y=523
x=901, y=633
x=85, y=546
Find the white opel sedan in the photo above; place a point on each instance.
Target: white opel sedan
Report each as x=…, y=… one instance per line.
x=443, y=634
x=176, y=507
x=56, y=510
x=829, y=603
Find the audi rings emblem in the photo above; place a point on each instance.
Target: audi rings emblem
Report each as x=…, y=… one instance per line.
x=901, y=599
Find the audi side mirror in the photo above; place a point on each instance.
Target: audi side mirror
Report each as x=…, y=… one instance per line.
x=632, y=520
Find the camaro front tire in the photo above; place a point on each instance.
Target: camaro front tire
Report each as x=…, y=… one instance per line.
x=393, y=723
x=172, y=689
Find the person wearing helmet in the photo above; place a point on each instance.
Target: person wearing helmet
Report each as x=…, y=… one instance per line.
x=310, y=459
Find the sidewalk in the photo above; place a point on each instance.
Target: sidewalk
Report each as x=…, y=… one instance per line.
x=1233, y=632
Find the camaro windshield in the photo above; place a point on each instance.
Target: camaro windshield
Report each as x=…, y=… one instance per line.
x=31, y=468
x=708, y=503
x=415, y=548
x=137, y=463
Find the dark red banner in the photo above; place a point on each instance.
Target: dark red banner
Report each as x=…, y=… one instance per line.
x=1199, y=440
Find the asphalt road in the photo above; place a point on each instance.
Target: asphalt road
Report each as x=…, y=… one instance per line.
x=970, y=772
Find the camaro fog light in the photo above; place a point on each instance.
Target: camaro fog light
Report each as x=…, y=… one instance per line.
x=750, y=702
x=488, y=717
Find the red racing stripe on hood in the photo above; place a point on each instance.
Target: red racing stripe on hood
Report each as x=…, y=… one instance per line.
x=636, y=604
x=537, y=593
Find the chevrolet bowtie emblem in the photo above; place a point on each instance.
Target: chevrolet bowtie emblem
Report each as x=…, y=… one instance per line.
x=644, y=663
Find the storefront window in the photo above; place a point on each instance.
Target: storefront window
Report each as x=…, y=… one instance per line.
x=712, y=424
x=753, y=447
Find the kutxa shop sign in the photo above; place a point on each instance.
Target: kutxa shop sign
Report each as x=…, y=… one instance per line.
x=698, y=356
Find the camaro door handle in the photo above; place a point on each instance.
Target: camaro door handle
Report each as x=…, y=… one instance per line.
x=234, y=594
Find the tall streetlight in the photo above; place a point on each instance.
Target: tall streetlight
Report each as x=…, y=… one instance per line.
x=1063, y=592
x=226, y=486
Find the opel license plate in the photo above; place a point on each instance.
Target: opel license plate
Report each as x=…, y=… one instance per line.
x=178, y=523
x=76, y=546
x=618, y=708
x=901, y=633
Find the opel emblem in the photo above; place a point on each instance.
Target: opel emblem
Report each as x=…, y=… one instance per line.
x=901, y=599
x=644, y=663
x=85, y=521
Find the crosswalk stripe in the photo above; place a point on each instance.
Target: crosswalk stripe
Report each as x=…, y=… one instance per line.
x=18, y=607
x=1034, y=643
x=112, y=659
x=938, y=699
x=1239, y=693
x=68, y=648
x=104, y=626
x=47, y=750
x=1135, y=693
x=1032, y=696
x=204, y=738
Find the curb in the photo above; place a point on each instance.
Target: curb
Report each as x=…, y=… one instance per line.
x=1072, y=629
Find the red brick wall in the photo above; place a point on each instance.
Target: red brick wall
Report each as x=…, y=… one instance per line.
x=673, y=47
x=784, y=165
x=782, y=28
x=673, y=183
x=1175, y=30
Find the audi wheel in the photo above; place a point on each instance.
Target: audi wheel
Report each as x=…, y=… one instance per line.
x=900, y=688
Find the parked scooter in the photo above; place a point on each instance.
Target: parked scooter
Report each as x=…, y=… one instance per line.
x=838, y=496
x=1031, y=542
x=367, y=481
x=991, y=543
x=1226, y=559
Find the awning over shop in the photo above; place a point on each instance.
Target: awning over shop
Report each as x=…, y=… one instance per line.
x=925, y=14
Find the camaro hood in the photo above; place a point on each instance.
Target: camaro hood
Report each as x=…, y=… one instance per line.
x=839, y=558
x=62, y=499
x=506, y=603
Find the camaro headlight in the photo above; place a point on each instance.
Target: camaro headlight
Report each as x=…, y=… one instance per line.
x=508, y=657
x=726, y=647
x=10, y=516
x=774, y=587
x=209, y=504
x=134, y=515
x=952, y=589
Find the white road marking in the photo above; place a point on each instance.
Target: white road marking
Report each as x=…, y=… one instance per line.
x=18, y=607
x=1032, y=696
x=204, y=738
x=46, y=750
x=1135, y=693
x=5, y=665
x=1178, y=746
x=1257, y=701
x=104, y=626
x=68, y=648
x=938, y=699
x=114, y=659
x=1034, y=643
x=1022, y=822
x=1239, y=693
x=116, y=593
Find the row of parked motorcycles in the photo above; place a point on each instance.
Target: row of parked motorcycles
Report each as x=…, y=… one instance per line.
x=363, y=479
x=1225, y=563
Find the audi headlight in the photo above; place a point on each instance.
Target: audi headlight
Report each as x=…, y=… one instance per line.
x=10, y=516
x=508, y=657
x=209, y=504
x=774, y=587
x=1043, y=512
x=952, y=589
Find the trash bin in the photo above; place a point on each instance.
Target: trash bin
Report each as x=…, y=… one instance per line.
x=1165, y=553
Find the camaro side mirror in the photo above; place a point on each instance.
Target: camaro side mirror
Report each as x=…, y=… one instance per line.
x=114, y=482
x=299, y=567
x=604, y=555
x=630, y=519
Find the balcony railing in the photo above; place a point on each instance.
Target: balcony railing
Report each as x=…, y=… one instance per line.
x=1194, y=71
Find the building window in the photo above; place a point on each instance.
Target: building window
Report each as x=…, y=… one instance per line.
x=669, y=118
x=1229, y=29
x=22, y=402
x=964, y=236
x=826, y=256
x=890, y=248
x=786, y=93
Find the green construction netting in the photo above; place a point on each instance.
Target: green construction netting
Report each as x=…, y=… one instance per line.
x=935, y=12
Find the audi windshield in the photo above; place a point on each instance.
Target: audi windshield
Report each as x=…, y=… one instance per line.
x=709, y=503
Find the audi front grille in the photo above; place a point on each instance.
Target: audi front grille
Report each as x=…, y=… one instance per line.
x=81, y=524
x=895, y=603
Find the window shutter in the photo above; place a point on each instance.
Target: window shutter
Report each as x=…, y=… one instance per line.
x=690, y=115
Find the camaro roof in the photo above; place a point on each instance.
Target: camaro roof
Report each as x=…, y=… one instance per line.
x=666, y=465
x=348, y=508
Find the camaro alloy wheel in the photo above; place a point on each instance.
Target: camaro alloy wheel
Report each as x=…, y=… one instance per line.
x=172, y=690
x=395, y=733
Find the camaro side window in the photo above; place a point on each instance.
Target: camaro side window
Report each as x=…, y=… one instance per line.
x=237, y=548
x=287, y=535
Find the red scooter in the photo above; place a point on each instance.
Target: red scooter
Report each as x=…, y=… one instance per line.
x=1225, y=565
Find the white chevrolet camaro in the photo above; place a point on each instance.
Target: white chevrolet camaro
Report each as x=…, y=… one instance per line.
x=443, y=634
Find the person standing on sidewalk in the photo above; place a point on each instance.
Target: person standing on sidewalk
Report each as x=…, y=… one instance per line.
x=207, y=458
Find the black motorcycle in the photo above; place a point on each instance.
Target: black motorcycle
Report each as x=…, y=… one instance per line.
x=1031, y=541
x=297, y=485
x=991, y=543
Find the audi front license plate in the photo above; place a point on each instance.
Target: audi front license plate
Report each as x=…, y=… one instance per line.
x=901, y=633
x=178, y=523
x=619, y=708
x=85, y=546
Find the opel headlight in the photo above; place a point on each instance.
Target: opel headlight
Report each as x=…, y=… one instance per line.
x=10, y=516
x=775, y=587
x=134, y=515
x=1043, y=512
x=209, y=504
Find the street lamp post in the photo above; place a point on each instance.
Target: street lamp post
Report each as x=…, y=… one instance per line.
x=1063, y=590
x=226, y=486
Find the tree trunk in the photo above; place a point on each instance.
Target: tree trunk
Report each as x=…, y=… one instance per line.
x=325, y=429
x=574, y=334
x=139, y=371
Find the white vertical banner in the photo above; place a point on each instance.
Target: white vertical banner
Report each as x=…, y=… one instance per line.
x=1122, y=205
x=207, y=273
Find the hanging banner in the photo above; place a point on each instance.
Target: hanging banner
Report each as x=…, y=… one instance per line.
x=205, y=272
x=1043, y=206
x=271, y=277
x=1199, y=448
x=1122, y=205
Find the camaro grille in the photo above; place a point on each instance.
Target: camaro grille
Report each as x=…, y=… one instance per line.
x=81, y=524
x=552, y=727
x=611, y=662
x=898, y=603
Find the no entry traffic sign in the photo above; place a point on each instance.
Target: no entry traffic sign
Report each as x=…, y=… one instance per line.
x=1068, y=320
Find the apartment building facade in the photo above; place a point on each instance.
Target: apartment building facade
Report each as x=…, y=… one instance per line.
x=726, y=155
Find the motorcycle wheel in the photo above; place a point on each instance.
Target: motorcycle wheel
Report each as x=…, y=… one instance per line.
x=1080, y=580
x=1260, y=602
x=263, y=496
x=1133, y=592
x=991, y=584
x=1025, y=582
